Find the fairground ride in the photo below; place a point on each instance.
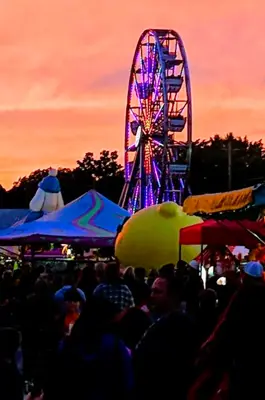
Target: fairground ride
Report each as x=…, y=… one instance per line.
x=158, y=126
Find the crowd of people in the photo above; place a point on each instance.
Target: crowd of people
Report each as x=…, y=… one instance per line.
x=103, y=332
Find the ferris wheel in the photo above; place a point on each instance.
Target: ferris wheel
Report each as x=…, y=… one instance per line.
x=158, y=130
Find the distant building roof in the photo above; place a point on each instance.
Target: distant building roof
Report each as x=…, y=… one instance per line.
x=8, y=217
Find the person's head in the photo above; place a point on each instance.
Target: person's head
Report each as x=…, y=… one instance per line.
x=41, y=287
x=193, y=267
x=153, y=274
x=129, y=274
x=26, y=268
x=73, y=300
x=167, y=271
x=166, y=294
x=252, y=273
x=100, y=271
x=47, y=277
x=7, y=276
x=140, y=273
x=181, y=266
x=97, y=317
x=112, y=272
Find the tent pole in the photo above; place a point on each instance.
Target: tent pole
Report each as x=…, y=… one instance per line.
x=32, y=255
x=201, y=259
x=22, y=253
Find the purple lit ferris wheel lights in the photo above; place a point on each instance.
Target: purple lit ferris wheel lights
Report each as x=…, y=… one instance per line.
x=158, y=116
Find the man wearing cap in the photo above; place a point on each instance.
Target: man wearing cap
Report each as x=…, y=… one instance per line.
x=252, y=273
x=194, y=265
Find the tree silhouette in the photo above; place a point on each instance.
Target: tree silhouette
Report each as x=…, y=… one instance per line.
x=106, y=165
x=209, y=172
x=24, y=189
x=104, y=174
x=209, y=166
x=3, y=195
x=87, y=164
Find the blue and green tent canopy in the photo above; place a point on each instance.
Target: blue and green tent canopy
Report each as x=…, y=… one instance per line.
x=91, y=220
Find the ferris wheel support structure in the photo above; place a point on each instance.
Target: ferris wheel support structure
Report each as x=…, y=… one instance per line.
x=158, y=126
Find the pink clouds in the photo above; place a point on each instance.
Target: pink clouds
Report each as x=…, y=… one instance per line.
x=64, y=69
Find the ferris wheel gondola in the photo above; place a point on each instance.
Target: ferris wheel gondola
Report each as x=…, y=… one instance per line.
x=158, y=116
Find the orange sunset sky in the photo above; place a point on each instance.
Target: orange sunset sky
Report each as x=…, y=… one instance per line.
x=64, y=70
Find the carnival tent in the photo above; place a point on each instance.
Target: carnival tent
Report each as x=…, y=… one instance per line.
x=247, y=203
x=224, y=232
x=9, y=217
x=91, y=220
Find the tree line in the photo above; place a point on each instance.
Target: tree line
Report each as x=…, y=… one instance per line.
x=209, y=173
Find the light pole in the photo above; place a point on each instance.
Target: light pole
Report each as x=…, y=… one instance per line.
x=229, y=164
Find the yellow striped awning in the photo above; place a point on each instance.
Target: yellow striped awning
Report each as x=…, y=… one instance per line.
x=218, y=202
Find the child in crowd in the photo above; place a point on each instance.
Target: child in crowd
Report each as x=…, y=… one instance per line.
x=73, y=302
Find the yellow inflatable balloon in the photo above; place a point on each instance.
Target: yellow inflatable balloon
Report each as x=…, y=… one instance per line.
x=150, y=238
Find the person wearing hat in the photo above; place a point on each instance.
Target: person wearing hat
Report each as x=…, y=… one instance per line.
x=252, y=273
x=194, y=265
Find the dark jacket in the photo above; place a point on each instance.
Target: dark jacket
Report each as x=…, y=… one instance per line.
x=164, y=358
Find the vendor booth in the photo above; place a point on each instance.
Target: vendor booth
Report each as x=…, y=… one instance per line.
x=247, y=203
x=224, y=232
x=90, y=220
